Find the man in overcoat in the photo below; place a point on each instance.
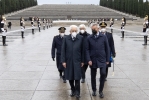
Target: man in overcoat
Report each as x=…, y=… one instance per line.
x=56, y=49
x=97, y=52
x=73, y=59
x=84, y=33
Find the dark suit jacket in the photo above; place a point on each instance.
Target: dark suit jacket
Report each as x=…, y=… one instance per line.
x=56, y=45
x=73, y=55
x=111, y=43
x=85, y=35
x=97, y=50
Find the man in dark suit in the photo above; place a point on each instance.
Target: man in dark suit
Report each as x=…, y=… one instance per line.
x=97, y=52
x=73, y=59
x=84, y=33
x=56, y=45
x=111, y=44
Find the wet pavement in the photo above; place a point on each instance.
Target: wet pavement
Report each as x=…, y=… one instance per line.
x=27, y=71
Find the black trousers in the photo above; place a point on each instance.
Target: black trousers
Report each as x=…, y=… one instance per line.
x=122, y=34
x=107, y=71
x=32, y=31
x=62, y=73
x=4, y=40
x=83, y=71
x=145, y=40
x=39, y=29
x=102, y=78
x=22, y=34
x=75, y=86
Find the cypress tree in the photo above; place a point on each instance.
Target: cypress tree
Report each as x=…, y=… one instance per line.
x=7, y=6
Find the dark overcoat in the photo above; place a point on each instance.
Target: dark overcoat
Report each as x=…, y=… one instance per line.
x=111, y=45
x=97, y=50
x=85, y=35
x=56, y=49
x=73, y=55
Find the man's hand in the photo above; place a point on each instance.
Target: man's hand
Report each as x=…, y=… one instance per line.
x=82, y=64
x=53, y=59
x=64, y=65
x=90, y=63
x=107, y=63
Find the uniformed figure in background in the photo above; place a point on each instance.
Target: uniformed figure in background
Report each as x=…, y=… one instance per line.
x=111, y=45
x=39, y=24
x=22, y=24
x=44, y=24
x=56, y=48
x=47, y=23
x=33, y=25
x=9, y=25
x=145, y=29
x=3, y=27
x=123, y=26
x=51, y=22
x=111, y=24
x=84, y=33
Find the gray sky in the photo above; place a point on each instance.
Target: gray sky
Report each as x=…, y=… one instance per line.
x=64, y=1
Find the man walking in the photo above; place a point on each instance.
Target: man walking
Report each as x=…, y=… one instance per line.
x=73, y=59
x=97, y=52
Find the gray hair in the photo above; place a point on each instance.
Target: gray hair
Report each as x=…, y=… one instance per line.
x=73, y=26
x=82, y=26
x=95, y=24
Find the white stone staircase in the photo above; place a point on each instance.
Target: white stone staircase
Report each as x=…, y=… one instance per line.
x=16, y=12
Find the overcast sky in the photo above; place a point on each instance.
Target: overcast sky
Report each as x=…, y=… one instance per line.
x=64, y=1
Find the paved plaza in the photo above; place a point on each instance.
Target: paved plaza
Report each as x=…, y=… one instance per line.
x=27, y=71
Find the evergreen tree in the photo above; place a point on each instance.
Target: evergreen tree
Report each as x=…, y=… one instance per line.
x=7, y=6
x=135, y=7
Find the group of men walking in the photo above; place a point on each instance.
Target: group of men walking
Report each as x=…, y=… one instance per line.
x=78, y=50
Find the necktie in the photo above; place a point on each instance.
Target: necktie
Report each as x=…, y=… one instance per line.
x=73, y=38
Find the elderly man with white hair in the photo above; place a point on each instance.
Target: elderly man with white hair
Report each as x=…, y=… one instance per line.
x=72, y=58
x=84, y=33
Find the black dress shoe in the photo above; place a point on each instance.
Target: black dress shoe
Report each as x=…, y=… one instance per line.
x=72, y=93
x=83, y=81
x=101, y=95
x=94, y=93
x=5, y=45
x=77, y=97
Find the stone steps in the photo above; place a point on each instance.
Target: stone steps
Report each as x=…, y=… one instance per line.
x=55, y=11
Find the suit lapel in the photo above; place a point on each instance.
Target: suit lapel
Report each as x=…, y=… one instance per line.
x=93, y=37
